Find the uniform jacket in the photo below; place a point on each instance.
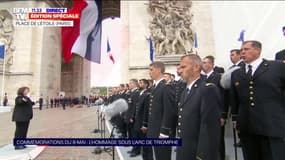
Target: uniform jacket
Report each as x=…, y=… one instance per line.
x=162, y=111
x=199, y=122
x=258, y=103
x=141, y=105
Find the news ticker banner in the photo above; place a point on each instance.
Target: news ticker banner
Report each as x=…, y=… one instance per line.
x=97, y=142
x=43, y=17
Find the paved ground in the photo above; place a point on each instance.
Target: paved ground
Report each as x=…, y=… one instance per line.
x=56, y=123
x=73, y=123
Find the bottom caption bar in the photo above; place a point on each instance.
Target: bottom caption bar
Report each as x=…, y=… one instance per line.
x=97, y=142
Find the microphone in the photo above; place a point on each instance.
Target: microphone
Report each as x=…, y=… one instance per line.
x=99, y=102
x=226, y=77
x=115, y=108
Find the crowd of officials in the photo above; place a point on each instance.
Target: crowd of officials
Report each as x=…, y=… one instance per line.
x=197, y=106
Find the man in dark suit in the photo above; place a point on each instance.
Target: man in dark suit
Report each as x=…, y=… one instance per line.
x=235, y=58
x=5, y=100
x=161, y=111
x=236, y=61
x=139, y=112
x=214, y=77
x=198, y=114
x=41, y=102
x=51, y=102
x=281, y=54
x=178, y=87
x=258, y=104
x=132, y=100
x=218, y=69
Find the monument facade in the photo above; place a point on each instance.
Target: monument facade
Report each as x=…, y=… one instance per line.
x=171, y=25
x=33, y=57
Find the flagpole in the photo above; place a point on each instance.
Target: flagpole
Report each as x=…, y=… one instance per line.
x=3, y=79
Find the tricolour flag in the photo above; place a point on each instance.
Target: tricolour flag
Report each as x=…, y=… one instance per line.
x=241, y=36
x=2, y=51
x=196, y=43
x=84, y=38
x=109, y=51
x=150, y=49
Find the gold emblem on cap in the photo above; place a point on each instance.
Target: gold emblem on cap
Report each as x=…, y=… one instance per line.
x=236, y=83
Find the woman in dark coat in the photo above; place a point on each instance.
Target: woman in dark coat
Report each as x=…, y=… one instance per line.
x=23, y=113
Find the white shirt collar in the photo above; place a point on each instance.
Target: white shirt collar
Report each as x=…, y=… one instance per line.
x=238, y=62
x=254, y=64
x=208, y=74
x=192, y=83
x=142, y=91
x=134, y=89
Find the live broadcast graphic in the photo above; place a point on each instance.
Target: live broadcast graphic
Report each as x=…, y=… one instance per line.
x=43, y=17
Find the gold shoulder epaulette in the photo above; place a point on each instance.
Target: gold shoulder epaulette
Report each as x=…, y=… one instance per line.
x=209, y=84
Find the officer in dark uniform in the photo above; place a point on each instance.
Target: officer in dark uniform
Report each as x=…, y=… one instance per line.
x=161, y=112
x=198, y=114
x=281, y=54
x=125, y=94
x=63, y=102
x=178, y=86
x=236, y=62
x=138, y=120
x=214, y=77
x=258, y=104
x=132, y=100
x=51, y=102
x=5, y=101
x=41, y=101
x=176, y=89
x=117, y=120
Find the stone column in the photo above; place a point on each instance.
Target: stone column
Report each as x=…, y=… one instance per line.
x=75, y=81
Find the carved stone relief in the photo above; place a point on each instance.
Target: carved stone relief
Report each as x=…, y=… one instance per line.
x=170, y=27
x=7, y=35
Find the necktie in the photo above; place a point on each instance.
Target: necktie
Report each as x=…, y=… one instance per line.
x=187, y=91
x=249, y=72
x=186, y=94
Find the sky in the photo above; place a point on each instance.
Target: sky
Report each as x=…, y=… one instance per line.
x=261, y=20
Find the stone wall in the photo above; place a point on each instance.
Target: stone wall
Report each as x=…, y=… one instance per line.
x=36, y=59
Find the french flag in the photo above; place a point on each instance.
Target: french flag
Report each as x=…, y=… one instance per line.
x=109, y=52
x=84, y=38
x=196, y=43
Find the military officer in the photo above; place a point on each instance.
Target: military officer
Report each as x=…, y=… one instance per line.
x=138, y=117
x=198, y=114
x=214, y=77
x=258, y=104
x=132, y=100
x=161, y=112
